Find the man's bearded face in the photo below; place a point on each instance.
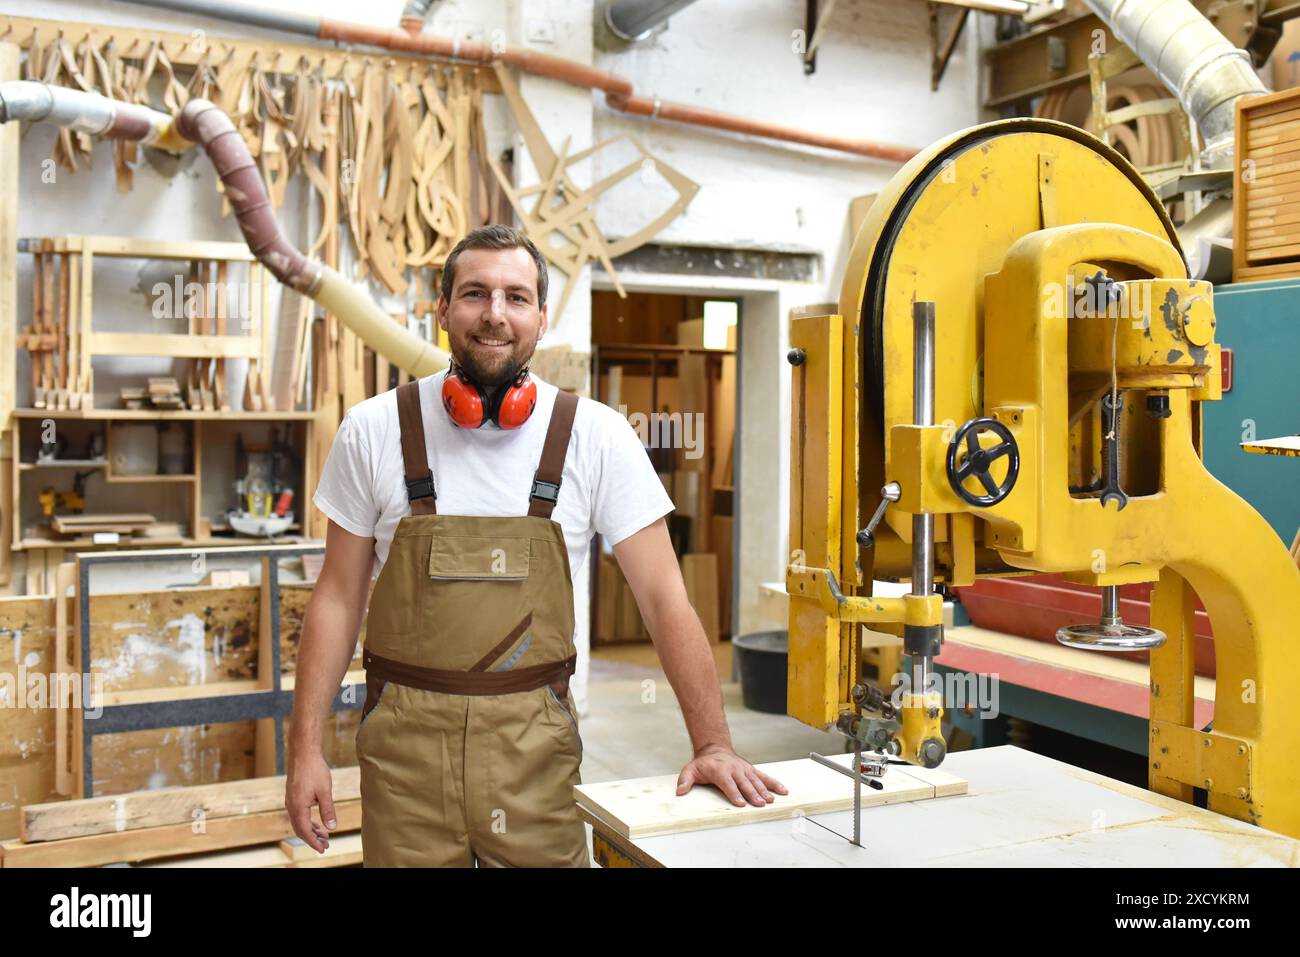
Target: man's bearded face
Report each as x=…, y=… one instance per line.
x=492, y=318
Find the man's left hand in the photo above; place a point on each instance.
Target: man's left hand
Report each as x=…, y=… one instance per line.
x=731, y=774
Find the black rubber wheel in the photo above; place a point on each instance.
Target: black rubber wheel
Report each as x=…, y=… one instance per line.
x=979, y=461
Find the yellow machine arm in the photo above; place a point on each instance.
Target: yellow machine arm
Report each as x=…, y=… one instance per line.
x=1013, y=384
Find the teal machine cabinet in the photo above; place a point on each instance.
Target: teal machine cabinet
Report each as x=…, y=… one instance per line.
x=1260, y=323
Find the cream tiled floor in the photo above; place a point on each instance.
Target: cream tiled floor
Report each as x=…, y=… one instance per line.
x=634, y=727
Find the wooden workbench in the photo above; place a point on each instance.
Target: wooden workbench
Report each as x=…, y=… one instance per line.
x=1022, y=810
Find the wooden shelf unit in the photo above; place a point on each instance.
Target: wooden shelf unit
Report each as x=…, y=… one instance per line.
x=80, y=464
x=28, y=421
x=161, y=477
x=230, y=320
x=63, y=339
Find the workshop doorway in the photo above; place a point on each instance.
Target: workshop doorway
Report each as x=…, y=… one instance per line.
x=669, y=363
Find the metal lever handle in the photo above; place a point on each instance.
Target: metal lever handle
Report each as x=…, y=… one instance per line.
x=889, y=494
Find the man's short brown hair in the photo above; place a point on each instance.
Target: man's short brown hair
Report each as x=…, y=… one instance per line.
x=495, y=236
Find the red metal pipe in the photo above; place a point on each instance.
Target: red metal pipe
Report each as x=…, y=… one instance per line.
x=430, y=44
x=618, y=90
x=698, y=116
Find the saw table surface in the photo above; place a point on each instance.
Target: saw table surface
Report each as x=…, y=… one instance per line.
x=1021, y=810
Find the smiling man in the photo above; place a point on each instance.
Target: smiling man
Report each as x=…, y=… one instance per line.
x=477, y=491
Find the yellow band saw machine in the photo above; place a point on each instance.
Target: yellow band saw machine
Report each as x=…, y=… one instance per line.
x=1012, y=385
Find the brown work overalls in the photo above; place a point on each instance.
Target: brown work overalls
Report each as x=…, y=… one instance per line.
x=468, y=742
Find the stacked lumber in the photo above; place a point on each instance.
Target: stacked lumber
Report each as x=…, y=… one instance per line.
x=228, y=578
x=232, y=824
x=162, y=530
x=125, y=523
x=165, y=393
x=1265, y=205
x=618, y=619
x=700, y=573
x=134, y=397
x=162, y=392
x=51, y=338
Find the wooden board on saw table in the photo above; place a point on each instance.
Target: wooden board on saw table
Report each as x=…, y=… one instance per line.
x=646, y=807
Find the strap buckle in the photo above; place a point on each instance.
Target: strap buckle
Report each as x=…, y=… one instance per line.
x=421, y=488
x=546, y=491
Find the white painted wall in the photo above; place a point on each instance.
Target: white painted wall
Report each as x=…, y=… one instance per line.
x=872, y=82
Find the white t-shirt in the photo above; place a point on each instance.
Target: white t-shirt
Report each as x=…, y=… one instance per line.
x=609, y=485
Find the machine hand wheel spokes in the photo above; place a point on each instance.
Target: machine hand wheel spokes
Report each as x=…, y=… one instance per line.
x=1110, y=633
x=1115, y=636
x=978, y=462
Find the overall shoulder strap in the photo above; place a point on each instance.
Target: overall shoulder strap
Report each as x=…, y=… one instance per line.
x=415, y=457
x=546, y=483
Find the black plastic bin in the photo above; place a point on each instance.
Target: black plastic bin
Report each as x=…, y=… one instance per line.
x=761, y=659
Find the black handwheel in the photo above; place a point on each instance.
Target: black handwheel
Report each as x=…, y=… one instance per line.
x=979, y=460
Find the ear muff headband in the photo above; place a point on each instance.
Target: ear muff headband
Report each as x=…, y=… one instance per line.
x=469, y=407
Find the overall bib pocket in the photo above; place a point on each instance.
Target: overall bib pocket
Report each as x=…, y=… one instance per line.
x=468, y=558
x=474, y=586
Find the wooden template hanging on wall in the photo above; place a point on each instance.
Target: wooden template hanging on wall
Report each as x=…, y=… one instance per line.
x=556, y=207
x=392, y=147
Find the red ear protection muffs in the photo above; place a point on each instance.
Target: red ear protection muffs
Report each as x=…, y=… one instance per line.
x=469, y=406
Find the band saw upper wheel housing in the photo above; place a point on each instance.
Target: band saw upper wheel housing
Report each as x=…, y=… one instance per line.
x=940, y=226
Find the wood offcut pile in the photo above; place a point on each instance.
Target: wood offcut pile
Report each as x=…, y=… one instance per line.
x=124, y=525
x=163, y=392
x=233, y=824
